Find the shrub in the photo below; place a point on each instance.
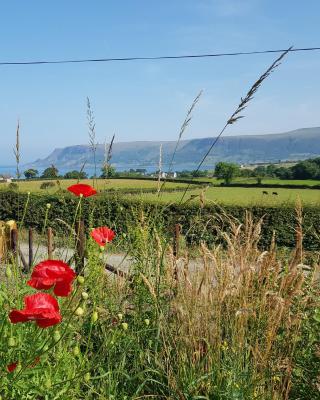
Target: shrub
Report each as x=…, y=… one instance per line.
x=47, y=185
x=13, y=186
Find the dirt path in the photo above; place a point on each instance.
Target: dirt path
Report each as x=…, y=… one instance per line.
x=120, y=261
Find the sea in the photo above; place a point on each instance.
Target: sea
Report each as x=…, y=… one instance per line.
x=10, y=170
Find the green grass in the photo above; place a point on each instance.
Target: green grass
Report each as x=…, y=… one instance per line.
x=243, y=196
x=101, y=184
x=266, y=181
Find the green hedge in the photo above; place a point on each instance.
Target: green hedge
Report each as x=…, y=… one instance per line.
x=121, y=213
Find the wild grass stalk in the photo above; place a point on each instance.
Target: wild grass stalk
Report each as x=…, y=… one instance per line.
x=92, y=137
x=16, y=151
x=236, y=115
x=107, y=158
x=183, y=128
x=159, y=169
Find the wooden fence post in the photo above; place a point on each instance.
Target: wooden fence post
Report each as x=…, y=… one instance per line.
x=50, y=243
x=30, y=248
x=176, y=240
x=80, y=246
x=14, y=242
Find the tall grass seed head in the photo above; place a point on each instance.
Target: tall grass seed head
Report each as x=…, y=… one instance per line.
x=8, y=272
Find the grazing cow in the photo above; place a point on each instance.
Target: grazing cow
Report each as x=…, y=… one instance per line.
x=264, y=192
x=275, y=193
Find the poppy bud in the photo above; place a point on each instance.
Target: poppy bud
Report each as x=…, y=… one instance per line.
x=84, y=295
x=47, y=383
x=79, y=311
x=76, y=351
x=48, y=206
x=120, y=316
x=124, y=326
x=147, y=321
x=94, y=317
x=87, y=377
x=81, y=195
x=8, y=272
x=80, y=279
x=18, y=368
x=56, y=336
x=11, y=342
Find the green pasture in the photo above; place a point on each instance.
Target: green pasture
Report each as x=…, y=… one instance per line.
x=243, y=196
x=100, y=184
x=266, y=181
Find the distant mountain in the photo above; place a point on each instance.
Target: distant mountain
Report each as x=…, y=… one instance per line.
x=294, y=145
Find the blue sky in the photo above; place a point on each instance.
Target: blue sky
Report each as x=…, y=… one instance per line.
x=147, y=100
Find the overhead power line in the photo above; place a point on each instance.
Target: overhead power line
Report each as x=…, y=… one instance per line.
x=186, y=56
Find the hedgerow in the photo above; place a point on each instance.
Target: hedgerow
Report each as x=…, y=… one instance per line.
x=197, y=224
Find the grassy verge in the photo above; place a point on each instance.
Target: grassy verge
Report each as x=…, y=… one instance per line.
x=243, y=325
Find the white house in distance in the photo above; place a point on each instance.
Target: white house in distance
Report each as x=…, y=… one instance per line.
x=5, y=179
x=168, y=175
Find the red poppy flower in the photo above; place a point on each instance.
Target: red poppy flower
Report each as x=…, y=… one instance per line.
x=12, y=367
x=82, y=189
x=102, y=235
x=41, y=308
x=51, y=273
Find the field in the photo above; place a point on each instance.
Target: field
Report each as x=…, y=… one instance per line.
x=101, y=184
x=218, y=194
x=243, y=196
x=265, y=181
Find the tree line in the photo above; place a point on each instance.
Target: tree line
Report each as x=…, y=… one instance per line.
x=307, y=169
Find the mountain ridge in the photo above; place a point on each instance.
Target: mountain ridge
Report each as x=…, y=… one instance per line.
x=292, y=145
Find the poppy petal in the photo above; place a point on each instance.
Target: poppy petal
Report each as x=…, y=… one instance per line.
x=41, y=308
x=17, y=316
x=49, y=273
x=82, y=189
x=12, y=367
x=102, y=235
x=62, y=289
